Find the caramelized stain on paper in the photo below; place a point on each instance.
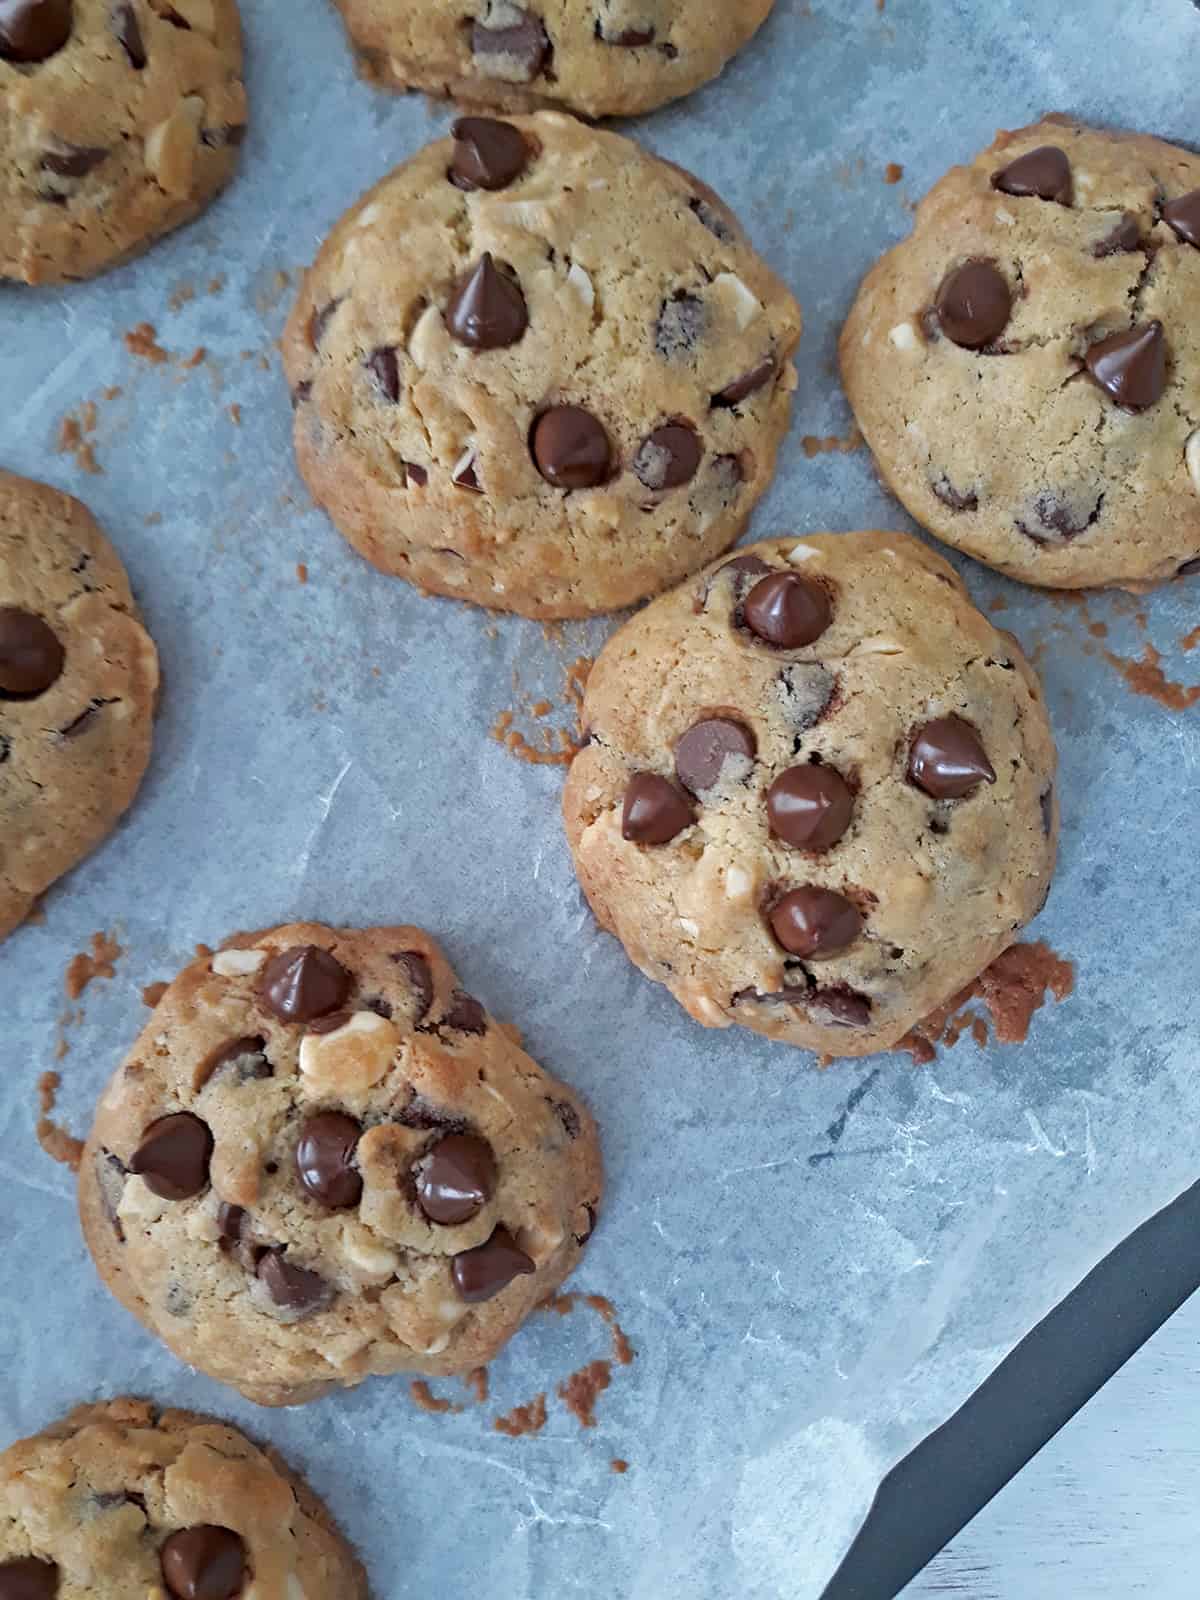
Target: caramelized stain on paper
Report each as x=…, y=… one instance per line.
x=1012, y=989
x=426, y=1400
x=142, y=342
x=557, y=746
x=100, y=962
x=1145, y=676
x=523, y=1419
x=619, y=1465
x=582, y=1389
x=822, y=445
x=58, y=1144
x=71, y=440
x=477, y=1382
x=893, y=172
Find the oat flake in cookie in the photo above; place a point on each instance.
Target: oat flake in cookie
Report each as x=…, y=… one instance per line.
x=123, y=1499
x=539, y=369
x=597, y=57
x=322, y=1159
x=818, y=797
x=1026, y=366
x=78, y=683
x=119, y=120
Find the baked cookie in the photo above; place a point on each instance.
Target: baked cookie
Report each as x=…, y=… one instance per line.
x=509, y=391
x=119, y=120
x=597, y=57
x=322, y=1159
x=1026, y=366
x=122, y=1499
x=818, y=795
x=78, y=683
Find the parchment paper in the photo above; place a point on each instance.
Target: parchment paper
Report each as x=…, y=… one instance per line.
x=809, y=1291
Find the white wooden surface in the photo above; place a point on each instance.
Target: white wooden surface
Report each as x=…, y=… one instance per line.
x=1107, y=1509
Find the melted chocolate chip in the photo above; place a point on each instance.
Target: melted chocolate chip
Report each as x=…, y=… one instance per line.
x=487, y=310
x=1131, y=366
x=952, y=497
x=325, y=1160
x=519, y=51
x=384, y=367
x=668, y=457
x=947, y=760
x=841, y=1006
x=204, y=1563
x=128, y=31
x=27, y=1578
x=231, y=1222
x=303, y=983
x=809, y=807
x=570, y=448
x=318, y=323
x=74, y=161
x=33, y=30
x=974, y=304
x=654, y=811
x=243, y=1059
x=1046, y=802
x=1054, y=519
x=172, y=1159
x=457, y=1179
x=415, y=474
x=302, y=392
x=465, y=476
x=481, y=1273
x=1123, y=238
x=680, y=324
x=465, y=1015
x=1043, y=174
x=712, y=218
x=290, y=1286
x=420, y=976
x=812, y=922
x=31, y=657
x=787, y=610
x=1183, y=215
x=1189, y=569
x=487, y=154
x=628, y=38
x=749, y=383
x=704, y=749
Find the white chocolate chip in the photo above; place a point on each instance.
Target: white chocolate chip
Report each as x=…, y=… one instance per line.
x=202, y=1221
x=428, y=339
x=365, y=1254
x=692, y=929
x=581, y=284
x=555, y=119
x=879, y=644
x=534, y=216
x=351, y=1058
x=369, y=215
x=237, y=963
x=904, y=336
x=295, y=1590
x=742, y=302
x=1191, y=454
x=597, y=183
x=1004, y=216
x=738, y=883
x=139, y=1203
x=803, y=552
x=171, y=146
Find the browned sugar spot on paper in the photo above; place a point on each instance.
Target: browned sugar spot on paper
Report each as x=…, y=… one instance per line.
x=558, y=746
x=893, y=172
x=301, y=572
x=196, y=357
x=179, y=296
x=582, y=1389
x=58, y=1144
x=99, y=962
x=821, y=445
x=523, y=1419
x=477, y=1382
x=142, y=342
x=1012, y=989
x=1145, y=676
x=424, y=1398
x=619, y=1465
x=235, y=414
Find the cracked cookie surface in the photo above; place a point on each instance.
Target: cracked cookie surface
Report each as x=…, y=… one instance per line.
x=1026, y=365
x=123, y=1498
x=597, y=57
x=507, y=393
x=818, y=793
x=322, y=1159
x=119, y=120
x=78, y=684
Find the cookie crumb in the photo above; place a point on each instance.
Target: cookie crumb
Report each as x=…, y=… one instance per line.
x=477, y=1382
x=180, y=296
x=582, y=1389
x=893, y=172
x=618, y=1465
x=142, y=342
x=153, y=993
x=301, y=572
x=426, y=1400
x=1012, y=989
x=58, y=1144
x=521, y=1420
x=100, y=963
x=821, y=445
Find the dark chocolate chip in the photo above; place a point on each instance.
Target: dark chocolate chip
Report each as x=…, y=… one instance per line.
x=481, y=1273
x=1189, y=569
x=787, y=610
x=1042, y=174
x=172, y=1159
x=947, y=760
x=302, y=392
x=842, y=1007
x=628, y=38
x=466, y=478
x=31, y=657
x=974, y=304
x=244, y=1059
x=420, y=976
x=712, y=218
x=231, y=1222
x=809, y=807
x=669, y=456
x=319, y=322
x=704, y=749
x=1055, y=520
x=415, y=474
x=290, y=1286
x=27, y=1578
x=487, y=310
x=74, y=161
x=749, y=383
x=465, y=1015
x=303, y=983
x=521, y=49
x=487, y=154
x=1183, y=215
x=129, y=34
x=952, y=497
x=384, y=367
x=204, y=1563
x=680, y=324
x=813, y=922
x=325, y=1160
x=570, y=448
x=331, y=1022
x=1046, y=802
x=1131, y=366
x=32, y=30
x=743, y=568
x=457, y=1179
x=1123, y=238
x=654, y=811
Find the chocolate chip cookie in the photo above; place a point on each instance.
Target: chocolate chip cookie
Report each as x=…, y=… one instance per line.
x=122, y=1499
x=598, y=57
x=818, y=794
x=509, y=392
x=78, y=683
x=119, y=120
x=1026, y=366
x=322, y=1159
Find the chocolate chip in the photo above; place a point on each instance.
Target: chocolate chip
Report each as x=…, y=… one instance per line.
x=74, y=161
x=172, y=1159
x=330, y=1023
x=420, y=977
x=303, y=983
x=570, y=448
x=290, y=1286
x=807, y=690
x=465, y=1015
x=1046, y=802
x=654, y=811
x=518, y=51
x=582, y=1238
x=628, y=38
x=302, y=392
x=787, y=610
x=711, y=217
x=843, y=1007
x=204, y=1563
x=129, y=34
x=31, y=657
x=1056, y=520
x=414, y=474
x=812, y=922
x=569, y=1117
x=487, y=154
x=1131, y=366
x=464, y=476
x=487, y=310
x=84, y=721
x=231, y=1222
x=27, y=1578
x=1123, y=238
x=319, y=321
x=325, y=1160
x=32, y=30
x=481, y=1273
x=749, y=382
x=704, y=749
x=947, y=760
x=680, y=324
x=952, y=497
x=743, y=568
x=1183, y=215
x=384, y=367
x=1189, y=569
x=244, y=1059
x=974, y=304
x=809, y=807
x=457, y=1179
x=1043, y=174
x=669, y=456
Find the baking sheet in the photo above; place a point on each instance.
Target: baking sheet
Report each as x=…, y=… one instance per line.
x=815, y=1268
